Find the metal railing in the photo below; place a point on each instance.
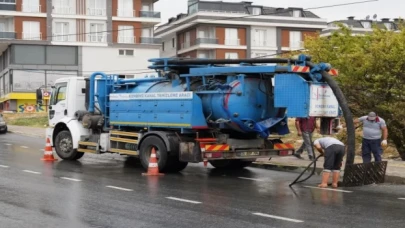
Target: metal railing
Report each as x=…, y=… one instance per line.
x=96, y=12
x=60, y=37
x=125, y=13
x=206, y=41
x=127, y=39
x=150, y=14
x=64, y=10
x=150, y=40
x=232, y=42
x=96, y=38
x=32, y=36
x=7, y=35
x=260, y=44
x=30, y=8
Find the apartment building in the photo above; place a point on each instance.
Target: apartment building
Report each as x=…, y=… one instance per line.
x=361, y=26
x=43, y=40
x=229, y=30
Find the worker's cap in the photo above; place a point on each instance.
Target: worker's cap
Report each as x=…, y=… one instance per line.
x=372, y=116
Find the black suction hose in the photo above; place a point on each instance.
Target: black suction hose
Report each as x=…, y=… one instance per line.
x=302, y=173
x=347, y=114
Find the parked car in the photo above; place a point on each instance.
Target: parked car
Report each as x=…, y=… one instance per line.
x=3, y=124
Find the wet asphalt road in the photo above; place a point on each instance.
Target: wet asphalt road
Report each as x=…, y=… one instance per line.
x=109, y=191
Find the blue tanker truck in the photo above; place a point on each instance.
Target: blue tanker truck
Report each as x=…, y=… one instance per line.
x=197, y=110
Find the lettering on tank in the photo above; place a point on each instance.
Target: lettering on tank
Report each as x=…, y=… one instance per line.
x=152, y=96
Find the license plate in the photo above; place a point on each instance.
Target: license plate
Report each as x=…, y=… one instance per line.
x=245, y=154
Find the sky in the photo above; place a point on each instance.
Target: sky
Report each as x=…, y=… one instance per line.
x=383, y=8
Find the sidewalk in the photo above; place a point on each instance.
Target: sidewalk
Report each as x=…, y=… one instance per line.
x=395, y=170
x=28, y=131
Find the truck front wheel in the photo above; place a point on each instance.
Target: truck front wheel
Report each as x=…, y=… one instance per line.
x=64, y=146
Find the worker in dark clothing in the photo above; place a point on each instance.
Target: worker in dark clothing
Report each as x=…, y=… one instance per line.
x=305, y=128
x=333, y=150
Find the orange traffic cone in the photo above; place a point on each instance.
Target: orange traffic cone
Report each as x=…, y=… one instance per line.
x=153, y=169
x=48, y=154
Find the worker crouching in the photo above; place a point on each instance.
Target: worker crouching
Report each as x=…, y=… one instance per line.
x=333, y=150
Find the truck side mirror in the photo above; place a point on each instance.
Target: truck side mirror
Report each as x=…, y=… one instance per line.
x=39, y=96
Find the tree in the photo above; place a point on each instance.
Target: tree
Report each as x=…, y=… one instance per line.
x=371, y=73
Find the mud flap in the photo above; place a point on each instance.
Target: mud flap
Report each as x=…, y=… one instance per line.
x=189, y=152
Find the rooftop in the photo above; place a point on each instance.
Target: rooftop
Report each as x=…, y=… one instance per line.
x=351, y=22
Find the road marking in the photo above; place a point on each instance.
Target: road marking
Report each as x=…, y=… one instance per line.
x=41, y=149
x=119, y=188
x=183, y=200
x=401, y=198
x=25, y=147
x=3, y=166
x=246, y=178
x=329, y=189
x=8, y=144
x=71, y=179
x=33, y=172
x=278, y=217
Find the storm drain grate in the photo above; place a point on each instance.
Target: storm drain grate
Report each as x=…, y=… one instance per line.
x=364, y=174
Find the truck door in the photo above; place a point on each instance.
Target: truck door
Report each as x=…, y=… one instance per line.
x=58, y=105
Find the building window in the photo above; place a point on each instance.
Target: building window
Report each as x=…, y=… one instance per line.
x=231, y=36
x=388, y=26
x=163, y=46
x=231, y=55
x=366, y=24
x=97, y=32
x=173, y=42
x=126, y=34
x=193, y=8
x=186, y=43
x=96, y=7
x=256, y=11
x=61, y=31
x=296, y=13
x=31, y=6
x=31, y=30
x=125, y=8
x=295, y=39
x=7, y=1
x=126, y=52
x=146, y=32
x=260, y=37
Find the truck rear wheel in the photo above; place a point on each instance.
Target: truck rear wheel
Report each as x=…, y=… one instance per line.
x=64, y=146
x=161, y=152
x=230, y=164
x=176, y=165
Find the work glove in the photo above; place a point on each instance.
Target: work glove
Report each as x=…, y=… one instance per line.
x=384, y=143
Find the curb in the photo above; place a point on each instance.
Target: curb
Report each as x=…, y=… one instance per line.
x=389, y=179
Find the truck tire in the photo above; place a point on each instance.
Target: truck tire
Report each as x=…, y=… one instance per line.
x=230, y=164
x=161, y=153
x=64, y=146
x=175, y=165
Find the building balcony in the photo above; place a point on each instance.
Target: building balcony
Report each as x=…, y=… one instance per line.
x=149, y=14
x=7, y=35
x=60, y=37
x=206, y=41
x=64, y=10
x=97, y=38
x=31, y=8
x=98, y=12
x=8, y=6
x=150, y=40
x=32, y=36
x=232, y=42
x=126, y=39
x=126, y=13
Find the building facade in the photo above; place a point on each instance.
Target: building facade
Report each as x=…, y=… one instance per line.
x=221, y=30
x=43, y=40
x=361, y=26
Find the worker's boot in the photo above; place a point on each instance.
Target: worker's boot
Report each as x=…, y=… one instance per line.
x=335, y=179
x=325, y=179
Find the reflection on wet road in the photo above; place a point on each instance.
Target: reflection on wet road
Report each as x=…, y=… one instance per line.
x=109, y=191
